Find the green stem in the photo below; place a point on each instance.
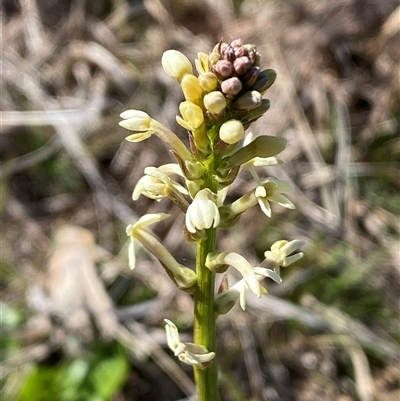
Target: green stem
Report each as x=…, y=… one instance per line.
x=204, y=320
x=204, y=315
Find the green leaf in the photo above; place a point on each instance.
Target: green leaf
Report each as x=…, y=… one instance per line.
x=40, y=385
x=108, y=376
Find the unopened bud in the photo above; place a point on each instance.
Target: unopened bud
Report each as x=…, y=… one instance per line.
x=227, y=52
x=208, y=81
x=223, y=69
x=254, y=56
x=241, y=65
x=135, y=120
x=176, y=64
x=191, y=88
x=231, y=131
x=215, y=102
x=202, y=63
x=231, y=86
x=248, y=101
x=192, y=116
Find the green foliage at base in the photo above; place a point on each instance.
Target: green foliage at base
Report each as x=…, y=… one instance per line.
x=96, y=378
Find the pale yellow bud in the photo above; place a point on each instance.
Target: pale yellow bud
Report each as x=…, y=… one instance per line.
x=208, y=81
x=232, y=131
x=192, y=116
x=215, y=102
x=135, y=120
x=202, y=63
x=176, y=64
x=191, y=88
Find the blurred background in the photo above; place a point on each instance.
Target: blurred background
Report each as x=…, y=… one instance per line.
x=77, y=324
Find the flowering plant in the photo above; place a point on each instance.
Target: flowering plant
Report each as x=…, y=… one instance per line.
x=221, y=102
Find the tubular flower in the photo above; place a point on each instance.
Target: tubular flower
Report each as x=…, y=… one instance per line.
x=271, y=190
x=250, y=274
x=227, y=299
x=176, y=64
x=141, y=224
x=192, y=354
x=182, y=276
x=136, y=120
x=282, y=254
x=203, y=212
x=156, y=184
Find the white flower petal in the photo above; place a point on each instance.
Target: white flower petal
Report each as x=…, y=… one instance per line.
x=172, y=332
x=265, y=207
x=268, y=273
x=246, y=270
x=203, y=212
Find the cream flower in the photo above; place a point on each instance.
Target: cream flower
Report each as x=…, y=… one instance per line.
x=136, y=120
x=203, y=212
x=182, y=276
x=141, y=224
x=271, y=190
x=192, y=354
x=282, y=253
x=226, y=300
x=156, y=184
x=251, y=275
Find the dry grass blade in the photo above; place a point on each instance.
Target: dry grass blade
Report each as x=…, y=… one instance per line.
x=343, y=324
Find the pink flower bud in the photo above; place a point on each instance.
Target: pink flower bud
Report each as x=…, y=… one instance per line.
x=231, y=86
x=223, y=69
x=241, y=65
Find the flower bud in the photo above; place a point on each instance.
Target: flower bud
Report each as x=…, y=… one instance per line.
x=231, y=86
x=253, y=55
x=215, y=102
x=231, y=131
x=192, y=116
x=208, y=81
x=241, y=65
x=135, y=120
x=202, y=63
x=176, y=64
x=226, y=51
x=223, y=69
x=191, y=88
x=248, y=101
